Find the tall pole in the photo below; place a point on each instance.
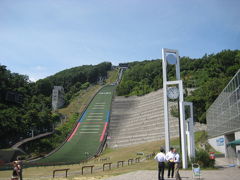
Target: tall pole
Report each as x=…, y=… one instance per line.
x=190, y=131
x=179, y=127
x=192, y=138
x=165, y=99
x=183, y=124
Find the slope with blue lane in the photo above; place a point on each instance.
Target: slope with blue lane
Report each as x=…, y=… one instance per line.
x=89, y=132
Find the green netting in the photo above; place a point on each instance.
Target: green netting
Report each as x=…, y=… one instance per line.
x=224, y=114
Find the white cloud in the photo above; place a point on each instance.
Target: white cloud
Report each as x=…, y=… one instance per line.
x=40, y=68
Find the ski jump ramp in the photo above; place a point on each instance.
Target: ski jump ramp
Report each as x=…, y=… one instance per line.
x=89, y=133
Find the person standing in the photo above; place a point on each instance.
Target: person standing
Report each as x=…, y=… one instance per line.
x=177, y=164
x=170, y=158
x=20, y=166
x=161, y=158
x=15, y=173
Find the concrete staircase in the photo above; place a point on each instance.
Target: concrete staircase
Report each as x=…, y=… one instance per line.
x=136, y=120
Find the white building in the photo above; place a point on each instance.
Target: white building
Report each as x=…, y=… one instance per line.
x=57, y=97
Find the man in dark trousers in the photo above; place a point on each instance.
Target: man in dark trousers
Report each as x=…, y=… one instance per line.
x=170, y=158
x=161, y=158
x=20, y=166
x=177, y=165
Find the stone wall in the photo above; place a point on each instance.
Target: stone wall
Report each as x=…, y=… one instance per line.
x=136, y=120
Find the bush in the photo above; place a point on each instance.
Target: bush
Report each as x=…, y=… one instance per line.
x=174, y=111
x=202, y=158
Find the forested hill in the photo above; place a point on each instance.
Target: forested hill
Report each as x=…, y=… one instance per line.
x=73, y=79
x=209, y=75
x=26, y=106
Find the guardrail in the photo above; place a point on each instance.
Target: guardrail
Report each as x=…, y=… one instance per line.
x=130, y=160
x=149, y=156
x=137, y=160
x=54, y=171
x=109, y=165
x=120, y=162
x=88, y=167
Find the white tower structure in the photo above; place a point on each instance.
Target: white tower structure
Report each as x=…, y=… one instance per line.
x=57, y=97
x=190, y=131
x=174, y=90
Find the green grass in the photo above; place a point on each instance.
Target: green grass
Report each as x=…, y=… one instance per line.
x=201, y=137
x=114, y=154
x=79, y=103
x=112, y=76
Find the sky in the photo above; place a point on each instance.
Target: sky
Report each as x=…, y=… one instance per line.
x=41, y=38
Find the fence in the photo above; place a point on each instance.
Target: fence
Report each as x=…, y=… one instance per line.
x=224, y=114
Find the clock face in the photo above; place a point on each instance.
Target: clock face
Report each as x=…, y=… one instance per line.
x=172, y=92
x=171, y=59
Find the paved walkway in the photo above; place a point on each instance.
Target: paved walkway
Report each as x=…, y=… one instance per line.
x=231, y=173
x=225, y=172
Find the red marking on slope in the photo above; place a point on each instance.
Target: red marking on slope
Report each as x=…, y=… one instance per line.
x=104, y=130
x=74, y=132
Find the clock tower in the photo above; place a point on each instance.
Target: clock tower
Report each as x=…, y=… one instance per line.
x=173, y=90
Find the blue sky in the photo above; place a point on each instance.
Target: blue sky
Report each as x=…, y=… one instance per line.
x=40, y=38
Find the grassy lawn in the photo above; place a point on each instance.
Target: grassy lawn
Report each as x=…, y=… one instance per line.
x=114, y=155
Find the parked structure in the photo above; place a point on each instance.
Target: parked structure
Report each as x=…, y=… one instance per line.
x=57, y=97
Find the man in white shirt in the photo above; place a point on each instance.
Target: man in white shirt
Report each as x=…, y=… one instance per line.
x=160, y=158
x=170, y=158
x=177, y=164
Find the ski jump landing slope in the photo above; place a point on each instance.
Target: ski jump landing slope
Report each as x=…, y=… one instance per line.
x=89, y=132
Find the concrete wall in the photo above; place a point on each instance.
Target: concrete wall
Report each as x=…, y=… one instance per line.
x=136, y=120
x=218, y=143
x=237, y=136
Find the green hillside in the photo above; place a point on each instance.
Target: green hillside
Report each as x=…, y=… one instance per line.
x=26, y=106
x=208, y=75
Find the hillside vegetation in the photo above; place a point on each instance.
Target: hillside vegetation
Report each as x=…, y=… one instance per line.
x=26, y=106
x=208, y=75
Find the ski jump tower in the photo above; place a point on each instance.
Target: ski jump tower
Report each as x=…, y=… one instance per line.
x=174, y=90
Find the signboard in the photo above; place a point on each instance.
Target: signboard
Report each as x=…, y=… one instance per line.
x=220, y=141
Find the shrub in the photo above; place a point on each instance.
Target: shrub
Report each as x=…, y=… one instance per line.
x=202, y=158
x=174, y=111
